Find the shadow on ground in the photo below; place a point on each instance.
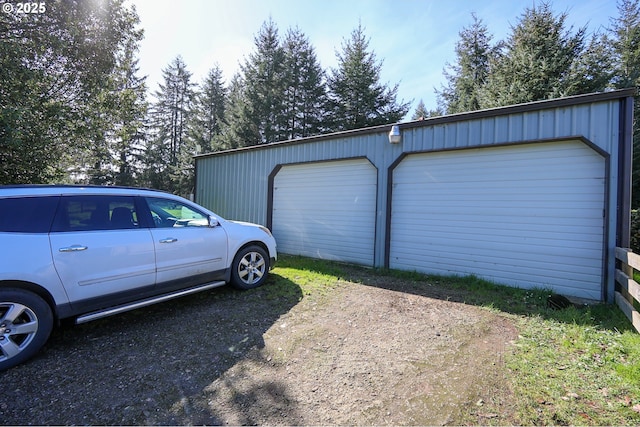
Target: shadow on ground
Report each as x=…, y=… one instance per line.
x=143, y=367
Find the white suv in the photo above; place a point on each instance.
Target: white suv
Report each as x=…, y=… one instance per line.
x=90, y=252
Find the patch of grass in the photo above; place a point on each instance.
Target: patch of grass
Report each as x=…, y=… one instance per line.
x=580, y=365
x=314, y=278
x=576, y=372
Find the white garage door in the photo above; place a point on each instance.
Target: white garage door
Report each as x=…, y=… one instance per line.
x=326, y=210
x=528, y=216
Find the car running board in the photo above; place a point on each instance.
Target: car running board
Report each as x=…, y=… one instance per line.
x=143, y=303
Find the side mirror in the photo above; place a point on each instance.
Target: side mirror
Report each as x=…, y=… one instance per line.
x=213, y=222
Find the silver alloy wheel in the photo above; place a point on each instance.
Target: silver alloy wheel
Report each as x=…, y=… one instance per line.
x=18, y=328
x=251, y=268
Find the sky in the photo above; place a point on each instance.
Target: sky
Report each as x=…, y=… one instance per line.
x=414, y=39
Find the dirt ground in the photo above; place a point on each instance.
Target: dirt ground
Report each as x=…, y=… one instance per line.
x=366, y=353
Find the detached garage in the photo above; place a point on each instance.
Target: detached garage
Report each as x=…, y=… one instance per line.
x=533, y=195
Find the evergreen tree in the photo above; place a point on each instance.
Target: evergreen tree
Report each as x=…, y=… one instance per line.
x=422, y=113
x=305, y=93
x=264, y=89
x=53, y=69
x=592, y=71
x=537, y=61
x=168, y=155
x=468, y=75
x=130, y=121
x=207, y=118
x=625, y=32
x=625, y=43
x=114, y=154
x=358, y=99
x=237, y=127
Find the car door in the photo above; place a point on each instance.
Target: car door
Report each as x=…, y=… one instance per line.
x=100, y=250
x=188, y=250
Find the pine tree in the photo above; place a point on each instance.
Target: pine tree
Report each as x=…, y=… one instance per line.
x=129, y=135
x=358, y=99
x=305, y=93
x=422, y=113
x=469, y=74
x=168, y=154
x=625, y=43
x=537, y=61
x=625, y=32
x=115, y=153
x=237, y=128
x=592, y=71
x=207, y=119
x=264, y=88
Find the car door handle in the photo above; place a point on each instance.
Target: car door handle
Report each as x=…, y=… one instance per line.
x=73, y=248
x=169, y=240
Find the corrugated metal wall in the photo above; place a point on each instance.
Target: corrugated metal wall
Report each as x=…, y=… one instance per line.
x=235, y=184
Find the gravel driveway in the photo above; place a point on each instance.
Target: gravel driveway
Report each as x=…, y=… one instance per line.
x=372, y=350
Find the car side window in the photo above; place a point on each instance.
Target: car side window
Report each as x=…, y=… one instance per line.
x=169, y=213
x=27, y=214
x=89, y=213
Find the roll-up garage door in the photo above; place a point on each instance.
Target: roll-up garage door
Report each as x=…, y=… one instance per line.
x=529, y=215
x=326, y=210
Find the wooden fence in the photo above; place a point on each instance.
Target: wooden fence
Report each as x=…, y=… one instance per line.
x=627, y=289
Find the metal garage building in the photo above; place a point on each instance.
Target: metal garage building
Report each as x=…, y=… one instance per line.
x=532, y=195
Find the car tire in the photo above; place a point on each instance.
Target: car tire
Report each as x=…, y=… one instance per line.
x=26, y=322
x=250, y=268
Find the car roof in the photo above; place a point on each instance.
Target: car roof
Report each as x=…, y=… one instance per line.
x=55, y=190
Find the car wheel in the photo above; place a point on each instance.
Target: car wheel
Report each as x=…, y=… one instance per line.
x=25, y=324
x=250, y=268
